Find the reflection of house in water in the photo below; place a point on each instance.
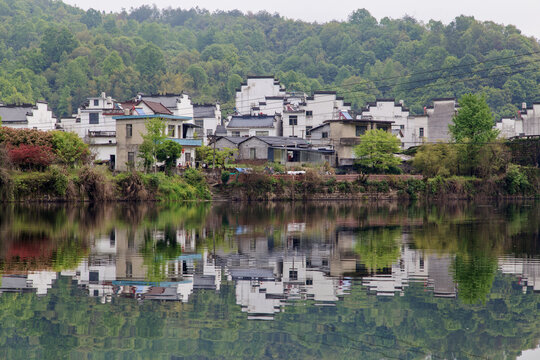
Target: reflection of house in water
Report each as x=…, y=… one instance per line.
x=528, y=270
x=38, y=282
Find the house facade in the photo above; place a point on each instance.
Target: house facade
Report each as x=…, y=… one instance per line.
x=530, y=117
x=389, y=110
x=27, y=116
x=248, y=125
x=130, y=129
x=439, y=117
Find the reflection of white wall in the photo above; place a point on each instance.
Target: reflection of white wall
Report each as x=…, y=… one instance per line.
x=526, y=268
x=42, y=280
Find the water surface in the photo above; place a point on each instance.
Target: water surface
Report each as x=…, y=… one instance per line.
x=285, y=281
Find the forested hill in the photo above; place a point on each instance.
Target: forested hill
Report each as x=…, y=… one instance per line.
x=53, y=51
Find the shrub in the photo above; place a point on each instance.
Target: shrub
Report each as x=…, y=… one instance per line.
x=95, y=183
x=436, y=159
x=516, y=179
x=131, y=186
x=69, y=148
x=31, y=156
x=436, y=184
x=225, y=177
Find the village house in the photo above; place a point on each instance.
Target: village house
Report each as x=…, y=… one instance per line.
x=388, y=109
x=131, y=126
x=343, y=134
x=530, y=117
x=206, y=116
x=28, y=116
x=439, y=117
x=248, y=125
x=296, y=112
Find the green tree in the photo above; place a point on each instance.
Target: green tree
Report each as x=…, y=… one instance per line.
x=152, y=138
x=473, y=122
x=169, y=151
x=69, y=148
x=55, y=42
x=376, y=151
x=209, y=155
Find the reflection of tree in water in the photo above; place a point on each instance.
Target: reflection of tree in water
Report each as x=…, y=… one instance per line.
x=474, y=274
x=378, y=248
x=157, y=253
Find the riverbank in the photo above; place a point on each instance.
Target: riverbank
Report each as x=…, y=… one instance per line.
x=98, y=184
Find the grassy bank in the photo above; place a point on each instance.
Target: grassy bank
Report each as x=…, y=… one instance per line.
x=518, y=183
x=99, y=184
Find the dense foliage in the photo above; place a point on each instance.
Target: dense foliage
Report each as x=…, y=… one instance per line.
x=376, y=150
x=61, y=53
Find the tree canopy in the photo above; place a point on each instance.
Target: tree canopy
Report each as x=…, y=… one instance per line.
x=48, y=49
x=376, y=150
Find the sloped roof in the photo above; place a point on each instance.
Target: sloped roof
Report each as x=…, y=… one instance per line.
x=244, y=122
x=281, y=140
x=204, y=111
x=234, y=139
x=220, y=129
x=168, y=100
x=13, y=113
x=156, y=107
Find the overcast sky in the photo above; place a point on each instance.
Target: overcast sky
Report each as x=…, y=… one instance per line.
x=524, y=14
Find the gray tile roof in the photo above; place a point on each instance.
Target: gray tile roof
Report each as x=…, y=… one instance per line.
x=10, y=113
x=234, y=139
x=221, y=130
x=204, y=111
x=282, y=140
x=245, y=122
x=169, y=101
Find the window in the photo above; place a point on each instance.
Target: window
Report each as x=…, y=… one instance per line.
x=293, y=275
x=199, y=123
x=93, y=276
x=293, y=120
x=236, y=133
x=170, y=130
x=361, y=130
x=96, y=102
x=308, y=129
x=94, y=118
x=252, y=153
x=421, y=132
x=112, y=238
x=131, y=157
x=129, y=130
x=402, y=127
x=309, y=281
x=129, y=269
x=324, y=135
x=382, y=127
x=261, y=133
x=309, y=113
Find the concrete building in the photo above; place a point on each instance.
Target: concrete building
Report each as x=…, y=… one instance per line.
x=420, y=130
x=129, y=131
x=248, y=125
x=256, y=90
x=440, y=116
x=509, y=127
x=389, y=110
x=27, y=116
x=530, y=116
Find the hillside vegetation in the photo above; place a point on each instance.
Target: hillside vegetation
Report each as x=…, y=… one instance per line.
x=53, y=51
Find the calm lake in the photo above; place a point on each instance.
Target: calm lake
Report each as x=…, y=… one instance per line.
x=318, y=280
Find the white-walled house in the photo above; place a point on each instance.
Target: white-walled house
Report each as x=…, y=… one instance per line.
x=509, y=127
x=248, y=125
x=531, y=119
x=256, y=90
x=27, y=116
x=440, y=115
x=388, y=109
x=419, y=129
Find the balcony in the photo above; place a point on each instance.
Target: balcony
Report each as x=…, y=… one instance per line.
x=94, y=134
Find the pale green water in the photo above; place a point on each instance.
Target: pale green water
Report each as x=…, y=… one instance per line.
x=283, y=281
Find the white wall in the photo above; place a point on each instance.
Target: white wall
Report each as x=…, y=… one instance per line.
x=254, y=92
x=387, y=110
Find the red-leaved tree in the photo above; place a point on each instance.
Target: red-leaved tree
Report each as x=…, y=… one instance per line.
x=31, y=156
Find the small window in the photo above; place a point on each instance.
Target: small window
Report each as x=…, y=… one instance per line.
x=293, y=120
x=309, y=113
x=421, y=132
x=129, y=130
x=236, y=133
x=309, y=281
x=94, y=118
x=324, y=135
x=402, y=127
x=170, y=130
x=131, y=157
x=96, y=102
x=361, y=130
x=199, y=123
x=293, y=275
x=252, y=153
x=261, y=133
x=93, y=276
x=382, y=127
x=308, y=129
